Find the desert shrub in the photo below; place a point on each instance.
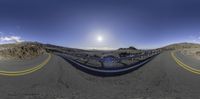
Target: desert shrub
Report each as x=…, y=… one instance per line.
x=123, y=54
x=94, y=63
x=128, y=61
x=198, y=53
x=82, y=60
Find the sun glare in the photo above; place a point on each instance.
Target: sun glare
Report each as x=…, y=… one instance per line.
x=99, y=38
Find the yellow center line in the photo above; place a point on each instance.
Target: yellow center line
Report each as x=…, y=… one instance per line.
x=27, y=71
x=189, y=68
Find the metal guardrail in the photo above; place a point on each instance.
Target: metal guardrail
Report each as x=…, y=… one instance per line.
x=104, y=71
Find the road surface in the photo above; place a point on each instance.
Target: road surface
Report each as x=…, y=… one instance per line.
x=23, y=67
x=161, y=78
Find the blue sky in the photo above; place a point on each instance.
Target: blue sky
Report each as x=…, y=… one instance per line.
x=121, y=23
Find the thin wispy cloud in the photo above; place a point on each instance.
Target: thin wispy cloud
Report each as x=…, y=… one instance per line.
x=194, y=38
x=15, y=39
x=9, y=38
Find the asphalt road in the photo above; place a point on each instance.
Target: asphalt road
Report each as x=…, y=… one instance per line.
x=189, y=60
x=18, y=65
x=161, y=78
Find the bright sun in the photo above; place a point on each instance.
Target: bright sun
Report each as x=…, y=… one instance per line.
x=99, y=38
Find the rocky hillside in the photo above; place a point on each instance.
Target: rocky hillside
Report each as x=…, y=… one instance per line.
x=25, y=50
x=181, y=46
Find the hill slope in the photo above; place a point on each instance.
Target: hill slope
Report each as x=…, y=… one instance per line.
x=24, y=50
x=181, y=46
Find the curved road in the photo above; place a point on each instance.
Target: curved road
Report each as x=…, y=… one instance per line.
x=17, y=68
x=161, y=78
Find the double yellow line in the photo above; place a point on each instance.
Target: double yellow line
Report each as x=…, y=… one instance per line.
x=189, y=68
x=27, y=71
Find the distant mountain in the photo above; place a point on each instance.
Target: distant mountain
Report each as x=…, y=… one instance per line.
x=181, y=46
x=130, y=48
